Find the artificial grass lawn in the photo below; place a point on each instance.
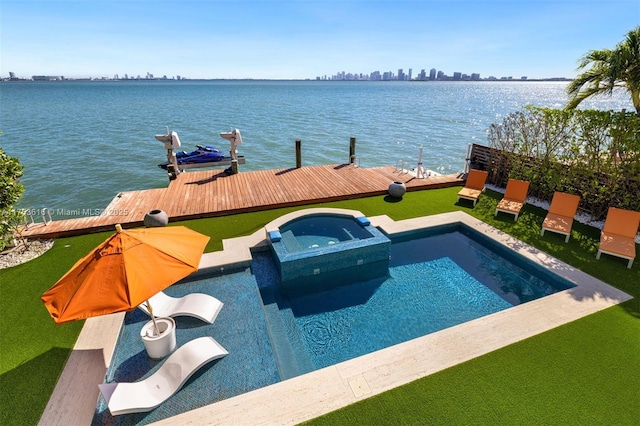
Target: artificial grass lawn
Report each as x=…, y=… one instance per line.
x=582, y=373
x=587, y=371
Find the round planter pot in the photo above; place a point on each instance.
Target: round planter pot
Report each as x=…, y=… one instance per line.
x=397, y=189
x=155, y=219
x=162, y=345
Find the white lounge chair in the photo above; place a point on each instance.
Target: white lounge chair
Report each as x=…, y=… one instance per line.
x=197, y=305
x=147, y=394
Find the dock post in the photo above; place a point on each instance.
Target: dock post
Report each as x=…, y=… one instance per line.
x=234, y=167
x=352, y=150
x=298, y=153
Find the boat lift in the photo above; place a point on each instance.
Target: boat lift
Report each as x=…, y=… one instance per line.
x=172, y=142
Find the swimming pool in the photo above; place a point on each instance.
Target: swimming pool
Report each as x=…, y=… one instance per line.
x=261, y=350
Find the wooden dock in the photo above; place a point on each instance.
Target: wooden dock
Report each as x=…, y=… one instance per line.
x=199, y=194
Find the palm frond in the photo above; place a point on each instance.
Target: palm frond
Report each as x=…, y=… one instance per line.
x=607, y=69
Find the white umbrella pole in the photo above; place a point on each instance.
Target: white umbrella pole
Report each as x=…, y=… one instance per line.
x=153, y=318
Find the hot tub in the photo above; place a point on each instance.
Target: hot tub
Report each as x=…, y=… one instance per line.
x=327, y=248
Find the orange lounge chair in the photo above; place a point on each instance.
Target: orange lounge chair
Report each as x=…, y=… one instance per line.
x=562, y=210
x=514, y=198
x=474, y=186
x=619, y=233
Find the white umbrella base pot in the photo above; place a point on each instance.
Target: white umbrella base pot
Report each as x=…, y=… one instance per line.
x=163, y=344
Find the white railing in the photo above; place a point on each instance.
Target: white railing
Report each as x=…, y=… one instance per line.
x=44, y=213
x=402, y=167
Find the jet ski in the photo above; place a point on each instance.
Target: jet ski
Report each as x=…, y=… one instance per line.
x=202, y=154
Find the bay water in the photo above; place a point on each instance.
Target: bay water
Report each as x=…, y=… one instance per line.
x=83, y=142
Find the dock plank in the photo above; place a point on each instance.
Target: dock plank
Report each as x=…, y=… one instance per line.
x=209, y=193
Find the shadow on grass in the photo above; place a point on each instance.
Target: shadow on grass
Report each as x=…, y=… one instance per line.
x=390, y=199
x=579, y=252
x=30, y=385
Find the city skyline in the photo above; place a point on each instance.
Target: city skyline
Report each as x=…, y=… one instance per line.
x=301, y=39
x=432, y=75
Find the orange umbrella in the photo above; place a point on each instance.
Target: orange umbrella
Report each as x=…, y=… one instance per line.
x=124, y=271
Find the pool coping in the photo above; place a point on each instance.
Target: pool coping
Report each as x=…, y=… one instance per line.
x=275, y=224
x=313, y=394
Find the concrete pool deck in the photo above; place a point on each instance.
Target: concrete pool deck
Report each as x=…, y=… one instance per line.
x=311, y=395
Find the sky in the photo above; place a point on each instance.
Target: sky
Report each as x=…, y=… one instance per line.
x=303, y=39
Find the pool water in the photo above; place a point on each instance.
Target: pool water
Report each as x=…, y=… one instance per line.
x=240, y=328
x=336, y=325
x=497, y=267
x=433, y=283
x=436, y=279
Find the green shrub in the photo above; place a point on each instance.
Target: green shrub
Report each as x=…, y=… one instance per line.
x=594, y=154
x=10, y=192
